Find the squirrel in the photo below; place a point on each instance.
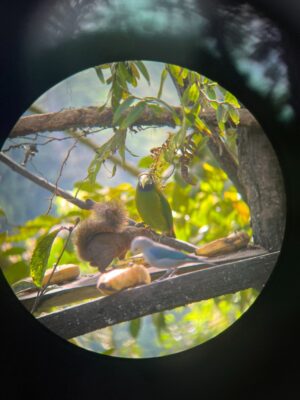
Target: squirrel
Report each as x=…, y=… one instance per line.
x=105, y=234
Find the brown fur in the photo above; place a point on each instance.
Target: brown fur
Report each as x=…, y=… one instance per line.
x=105, y=235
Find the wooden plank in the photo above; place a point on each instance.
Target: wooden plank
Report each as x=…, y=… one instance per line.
x=85, y=287
x=161, y=295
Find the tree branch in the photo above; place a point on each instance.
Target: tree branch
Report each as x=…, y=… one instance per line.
x=126, y=166
x=86, y=205
x=91, y=117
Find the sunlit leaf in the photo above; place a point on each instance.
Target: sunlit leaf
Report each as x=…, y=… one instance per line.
x=133, y=114
x=39, y=259
x=210, y=90
x=178, y=73
x=201, y=126
x=100, y=74
x=124, y=73
x=13, y=251
x=159, y=321
x=163, y=77
x=194, y=93
x=221, y=113
x=145, y=162
x=102, y=153
x=234, y=115
x=143, y=70
x=108, y=352
x=121, y=108
x=231, y=99
x=114, y=170
x=134, y=71
x=16, y=271
x=87, y=186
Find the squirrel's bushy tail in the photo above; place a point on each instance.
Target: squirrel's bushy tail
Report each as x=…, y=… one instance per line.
x=107, y=217
x=112, y=215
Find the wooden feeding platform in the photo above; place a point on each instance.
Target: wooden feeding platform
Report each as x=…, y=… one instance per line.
x=249, y=268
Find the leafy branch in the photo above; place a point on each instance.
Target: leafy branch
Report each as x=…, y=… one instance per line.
x=40, y=258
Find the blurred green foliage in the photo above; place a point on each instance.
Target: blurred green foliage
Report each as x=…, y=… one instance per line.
x=205, y=204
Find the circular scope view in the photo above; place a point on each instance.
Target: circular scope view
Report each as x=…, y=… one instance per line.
x=142, y=209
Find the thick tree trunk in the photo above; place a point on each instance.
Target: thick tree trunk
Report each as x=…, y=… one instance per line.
x=260, y=175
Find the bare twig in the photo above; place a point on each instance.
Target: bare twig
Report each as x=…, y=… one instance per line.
x=85, y=205
x=128, y=167
x=132, y=169
x=60, y=173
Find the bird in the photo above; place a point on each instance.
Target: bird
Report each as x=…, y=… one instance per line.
x=162, y=256
x=152, y=205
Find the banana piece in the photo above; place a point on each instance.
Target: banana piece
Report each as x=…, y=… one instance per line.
x=233, y=242
x=123, y=278
x=66, y=272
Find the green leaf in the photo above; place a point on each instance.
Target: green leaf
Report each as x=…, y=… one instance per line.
x=15, y=272
x=163, y=77
x=194, y=93
x=170, y=151
x=100, y=74
x=178, y=73
x=114, y=170
x=201, y=126
x=108, y=352
x=134, y=327
x=121, y=108
x=105, y=66
x=143, y=70
x=134, y=113
x=231, y=99
x=40, y=256
x=176, y=119
x=210, y=91
x=13, y=251
x=126, y=74
x=221, y=114
x=94, y=168
x=123, y=72
x=134, y=71
x=120, y=144
x=102, y=154
x=145, y=162
x=214, y=104
x=191, y=94
x=159, y=321
x=234, y=115
x=87, y=186
x=180, y=135
x=2, y=213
